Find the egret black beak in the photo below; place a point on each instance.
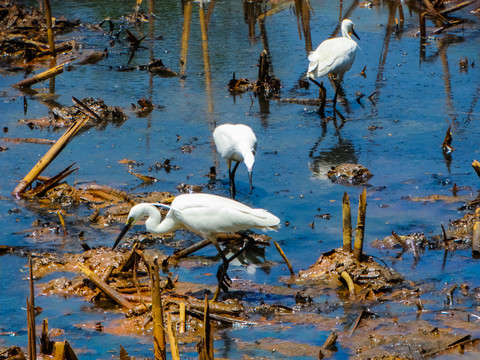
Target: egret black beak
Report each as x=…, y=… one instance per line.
x=122, y=234
x=355, y=34
x=250, y=181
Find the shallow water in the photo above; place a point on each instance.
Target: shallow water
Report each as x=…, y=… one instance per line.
x=421, y=92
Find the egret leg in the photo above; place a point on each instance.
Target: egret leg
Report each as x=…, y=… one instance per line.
x=231, y=178
x=337, y=88
x=224, y=280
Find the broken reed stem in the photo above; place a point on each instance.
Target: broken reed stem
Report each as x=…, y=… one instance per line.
x=476, y=234
x=157, y=313
x=399, y=240
x=450, y=294
x=187, y=16
x=50, y=155
x=330, y=342
x=42, y=76
x=173, y=339
x=29, y=140
x=191, y=249
x=357, y=322
x=183, y=324
x=107, y=289
x=351, y=286
x=46, y=345
x=347, y=223
x=476, y=167
x=50, y=34
x=207, y=332
x=279, y=249
x=423, y=32
x=63, y=351
x=360, y=232
x=32, y=350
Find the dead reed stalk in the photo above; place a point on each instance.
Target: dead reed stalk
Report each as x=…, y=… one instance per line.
x=157, y=312
x=50, y=155
x=360, y=232
x=347, y=223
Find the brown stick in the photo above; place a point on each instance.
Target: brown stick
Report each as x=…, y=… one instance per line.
x=207, y=332
x=187, y=16
x=191, y=249
x=183, y=323
x=50, y=155
x=107, y=289
x=157, y=312
x=29, y=140
x=42, y=76
x=173, y=339
x=330, y=342
x=357, y=322
x=456, y=7
x=347, y=223
x=32, y=349
x=46, y=345
x=359, y=234
x=279, y=249
x=50, y=34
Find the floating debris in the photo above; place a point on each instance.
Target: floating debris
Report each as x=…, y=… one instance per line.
x=66, y=116
x=349, y=174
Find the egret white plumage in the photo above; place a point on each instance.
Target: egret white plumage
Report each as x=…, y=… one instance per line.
x=334, y=56
x=206, y=215
x=236, y=142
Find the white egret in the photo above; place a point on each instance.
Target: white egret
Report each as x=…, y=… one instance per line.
x=334, y=56
x=236, y=142
x=206, y=215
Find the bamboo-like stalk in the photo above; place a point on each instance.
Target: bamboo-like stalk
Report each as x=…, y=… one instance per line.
x=50, y=34
x=32, y=349
x=206, y=57
x=183, y=324
x=476, y=167
x=50, y=155
x=107, y=289
x=360, y=232
x=173, y=339
x=279, y=249
x=207, y=332
x=187, y=16
x=347, y=223
x=476, y=234
x=42, y=76
x=157, y=312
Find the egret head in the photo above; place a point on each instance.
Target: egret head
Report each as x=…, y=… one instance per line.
x=348, y=28
x=136, y=213
x=249, y=159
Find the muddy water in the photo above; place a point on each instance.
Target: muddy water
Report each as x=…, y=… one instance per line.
x=397, y=135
